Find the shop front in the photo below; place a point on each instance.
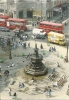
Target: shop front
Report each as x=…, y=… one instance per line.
x=21, y=14
x=64, y=6
x=37, y=15
x=29, y=13
x=49, y=14
x=57, y=11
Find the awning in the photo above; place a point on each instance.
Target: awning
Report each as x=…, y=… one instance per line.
x=37, y=13
x=36, y=16
x=57, y=9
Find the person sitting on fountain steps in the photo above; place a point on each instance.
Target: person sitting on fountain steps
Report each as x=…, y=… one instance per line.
x=21, y=85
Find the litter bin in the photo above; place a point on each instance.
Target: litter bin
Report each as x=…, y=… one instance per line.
x=1, y=61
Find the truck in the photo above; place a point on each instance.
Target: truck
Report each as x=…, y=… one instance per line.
x=38, y=33
x=54, y=37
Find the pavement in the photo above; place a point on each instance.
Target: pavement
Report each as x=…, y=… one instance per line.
x=50, y=59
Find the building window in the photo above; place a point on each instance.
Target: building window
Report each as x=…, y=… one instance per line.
x=48, y=0
x=14, y=12
x=1, y=5
x=5, y=11
x=1, y=10
x=20, y=0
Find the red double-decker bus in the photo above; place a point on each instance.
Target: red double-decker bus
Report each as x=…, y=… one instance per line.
x=51, y=26
x=3, y=19
x=13, y=23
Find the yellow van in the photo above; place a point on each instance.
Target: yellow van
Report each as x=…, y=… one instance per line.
x=57, y=38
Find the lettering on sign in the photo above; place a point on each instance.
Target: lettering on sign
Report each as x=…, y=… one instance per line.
x=2, y=19
x=8, y=24
x=16, y=23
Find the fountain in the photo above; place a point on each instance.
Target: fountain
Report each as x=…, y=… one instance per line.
x=36, y=67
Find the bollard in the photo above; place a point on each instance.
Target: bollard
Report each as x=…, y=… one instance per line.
x=22, y=54
x=48, y=44
x=61, y=56
x=43, y=53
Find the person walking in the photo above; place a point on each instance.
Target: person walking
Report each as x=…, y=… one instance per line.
x=50, y=49
x=25, y=45
x=15, y=96
x=46, y=91
x=41, y=46
x=29, y=44
x=58, y=64
x=53, y=70
x=10, y=91
x=68, y=86
x=49, y=92
x=0, y=69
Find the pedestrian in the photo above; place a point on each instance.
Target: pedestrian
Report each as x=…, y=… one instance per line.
x=65, y=23
x=65, y=59
x=35, y=24
x=23, y=85
x=28, y=56
x=54, y=49
x=19, y=85
x=58, y=64
x=22, y=45
x=68, y=86
x=41, y=46
x=53, y=70
x=8, y=66
x=50, y=49
x=46, y=91
x=26, y=37
x=0, y=69
x=25, y=45
x=29, y=44
x=36, y=88
x=10, y=91
x=50, y=92
x=12, y=65
x=15, y=96
x=32, y=23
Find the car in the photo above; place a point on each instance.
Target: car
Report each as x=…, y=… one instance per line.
x=38, y=36
x=4, y=29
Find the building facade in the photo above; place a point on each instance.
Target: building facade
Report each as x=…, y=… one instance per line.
x=43, y=9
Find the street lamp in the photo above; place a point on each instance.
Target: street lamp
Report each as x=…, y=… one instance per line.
x=49, y=10
x=41, y=10
x=32, y=14
x=49, y=15
x=67, y=51
x=9, y=44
